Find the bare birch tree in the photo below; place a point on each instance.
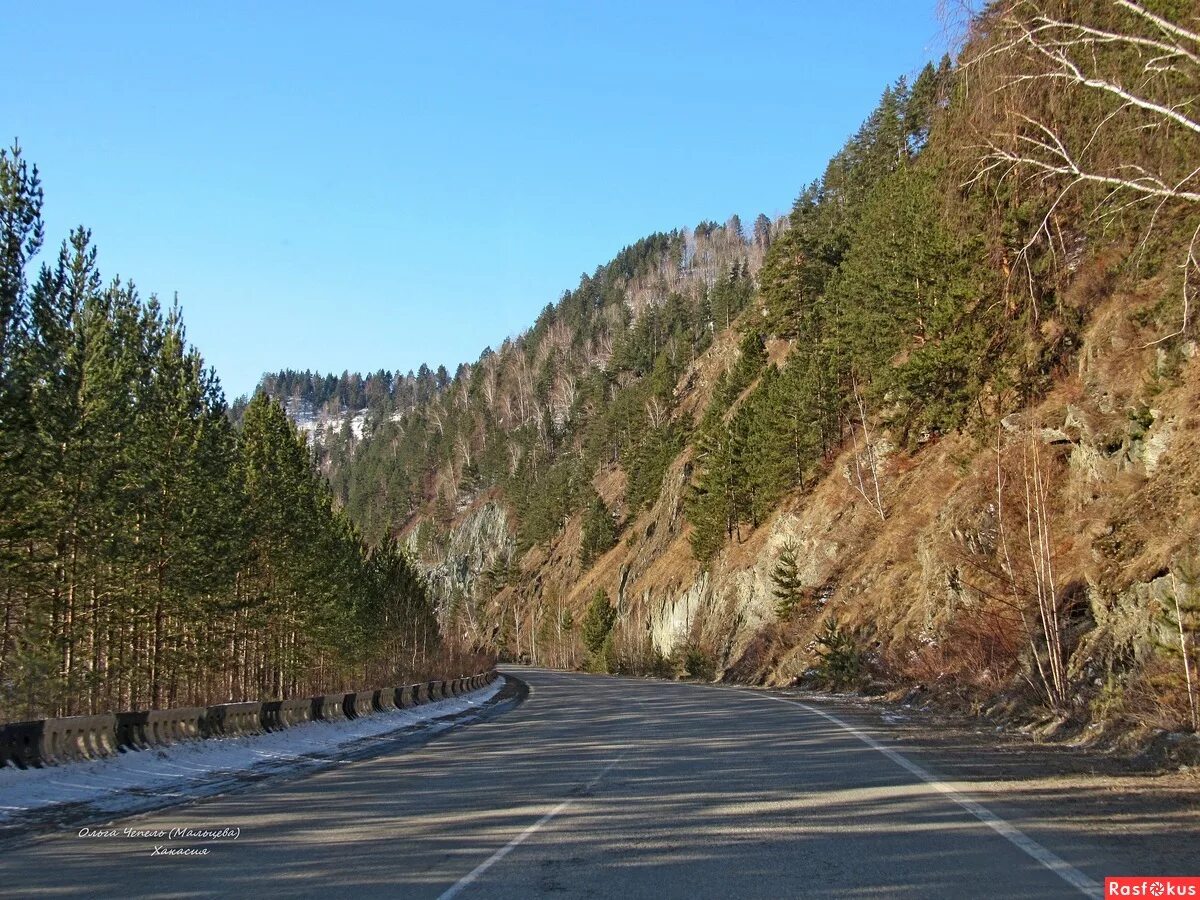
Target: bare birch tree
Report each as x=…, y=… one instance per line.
x=866, y=461
x=656, y=413
x=1185, y=652
x=1031, y=575
x=1101, y=96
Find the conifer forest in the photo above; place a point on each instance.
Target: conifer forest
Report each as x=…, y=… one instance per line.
x=153, y=553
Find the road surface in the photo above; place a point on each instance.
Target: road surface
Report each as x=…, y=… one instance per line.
x=607, y=787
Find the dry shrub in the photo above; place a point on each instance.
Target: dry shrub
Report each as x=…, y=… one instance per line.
x=633, y=653
x=695, y=661
x=759, y=656
x=446, y=662
x=979, y=650
x=1157, y=696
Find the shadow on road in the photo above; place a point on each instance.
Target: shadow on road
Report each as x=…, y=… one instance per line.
x=715, y=793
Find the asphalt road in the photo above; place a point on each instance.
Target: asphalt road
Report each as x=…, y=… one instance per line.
x=605, y=787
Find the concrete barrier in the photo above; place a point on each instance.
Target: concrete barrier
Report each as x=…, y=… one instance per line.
x=170, y=726
x=296, y=712
x=280, y=714
x=358, y=704
x=141, y=729
x=73, y=738
x=230, y=719
x=364, y=703
x=20, y=744
x=131, y=729
x=272, y=715
x=328, y=707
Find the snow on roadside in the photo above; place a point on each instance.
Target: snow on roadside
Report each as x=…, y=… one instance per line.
x=146, y=779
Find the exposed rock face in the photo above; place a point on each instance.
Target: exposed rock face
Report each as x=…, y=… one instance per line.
x=672, y=615
x=477, y=544
x=724, y=609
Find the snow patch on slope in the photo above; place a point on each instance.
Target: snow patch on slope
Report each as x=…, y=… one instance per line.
x=313, y=423
x=310, y=422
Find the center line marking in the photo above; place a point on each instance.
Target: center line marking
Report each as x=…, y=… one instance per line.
x=463, y=883
x=512, y=845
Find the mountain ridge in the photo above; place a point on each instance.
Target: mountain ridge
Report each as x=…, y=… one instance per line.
x=934, y=429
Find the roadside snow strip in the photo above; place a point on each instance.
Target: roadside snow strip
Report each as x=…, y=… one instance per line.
x=148, y=779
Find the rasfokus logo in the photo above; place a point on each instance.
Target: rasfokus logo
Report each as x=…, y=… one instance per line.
x=1151, y=886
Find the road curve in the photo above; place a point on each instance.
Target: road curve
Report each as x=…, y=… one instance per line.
x=604, y=787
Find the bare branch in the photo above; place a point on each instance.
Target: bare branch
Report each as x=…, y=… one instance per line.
x=1169, y=27
x=1035, y=47
x=1102, y=36
x=868, y=458
x=1192, y=262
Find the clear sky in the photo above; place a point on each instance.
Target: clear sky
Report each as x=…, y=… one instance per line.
x=361, y=186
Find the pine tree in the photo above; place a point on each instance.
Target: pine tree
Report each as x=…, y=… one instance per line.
x=762, y=232
x=906, y=287
x=151, y=555
x=599, y=531
x=598, y=621
x=649, y=459
x=787, y=586
x=768, y=467
x=20, y=239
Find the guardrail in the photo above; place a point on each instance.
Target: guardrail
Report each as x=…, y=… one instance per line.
x=48, y=742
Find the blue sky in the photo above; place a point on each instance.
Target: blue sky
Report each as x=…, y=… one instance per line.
x=363, y=186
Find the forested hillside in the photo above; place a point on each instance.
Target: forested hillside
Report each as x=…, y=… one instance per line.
x=937, y=427
x=152, y=553
x=548, y=406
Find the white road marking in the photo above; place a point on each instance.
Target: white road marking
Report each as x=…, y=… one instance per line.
x=1038, y=852
x=1002, y=827
x=459, y=886
x=512, y=845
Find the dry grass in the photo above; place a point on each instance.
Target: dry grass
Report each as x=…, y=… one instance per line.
x=695, y=387
x=611, y=483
